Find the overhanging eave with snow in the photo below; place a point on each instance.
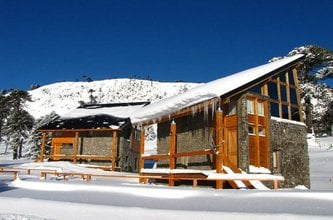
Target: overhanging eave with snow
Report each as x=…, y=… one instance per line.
x=211, y=92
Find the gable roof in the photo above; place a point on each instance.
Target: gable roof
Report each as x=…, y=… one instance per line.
x=210, y=90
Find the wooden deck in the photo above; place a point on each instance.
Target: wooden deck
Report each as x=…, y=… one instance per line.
x=197, y=175
x=170, y=175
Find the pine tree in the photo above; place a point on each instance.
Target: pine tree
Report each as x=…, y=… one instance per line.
x=18, y=123
x=92, y=98
x=4, y=111
x=316, y=67
x=35, y=138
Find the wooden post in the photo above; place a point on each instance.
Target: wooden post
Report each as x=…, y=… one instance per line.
x=142, y=151
x=219, y=145
x=276, y=184
x=42, y=150
x=172, y=162
x=114, y=150
x=258, y=162
x=288, y=96
x=298, y=93
x=76, y=146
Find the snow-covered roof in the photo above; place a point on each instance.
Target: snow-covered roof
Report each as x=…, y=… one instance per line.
x=119, y=110
x=208, y=90
x=115, y=116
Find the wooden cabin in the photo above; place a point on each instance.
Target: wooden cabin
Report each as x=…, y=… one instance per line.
x=95, y=134
x=248, y=121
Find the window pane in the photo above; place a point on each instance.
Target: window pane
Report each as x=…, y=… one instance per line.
x=272, y=90
x=283, y=93
x=283, y=77
x=295, y=114
x=275, y=109
x=261, y=110
x=262, y=131
x=251, y=130
x=250, y=106
x=291, y=77
x=256, y=89
x=293, y=96
x=285, y=112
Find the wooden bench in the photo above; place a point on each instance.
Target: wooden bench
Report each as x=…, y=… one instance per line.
x=43, y=174
x=14, y=172
x=84, y=176
x=27, y=170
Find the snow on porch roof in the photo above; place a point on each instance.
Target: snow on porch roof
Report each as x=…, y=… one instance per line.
x=119, y=110
x=95, y=116
x=209, y=90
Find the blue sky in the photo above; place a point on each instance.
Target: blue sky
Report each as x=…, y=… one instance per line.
x=47, y=41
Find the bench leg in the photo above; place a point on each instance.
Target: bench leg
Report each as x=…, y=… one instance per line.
x=276, y=184
x=195, y=183
x=88, y=177
x=43, y=175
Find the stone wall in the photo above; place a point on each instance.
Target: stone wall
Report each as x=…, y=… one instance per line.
x=193, y=134
x=128, y=159
x=95, y=143
x=243, y=134
x=289, y=138
x=100, y=143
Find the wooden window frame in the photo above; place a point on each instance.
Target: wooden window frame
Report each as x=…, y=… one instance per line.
x=287, y=86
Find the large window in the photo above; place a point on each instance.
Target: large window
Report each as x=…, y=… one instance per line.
x=282, y=90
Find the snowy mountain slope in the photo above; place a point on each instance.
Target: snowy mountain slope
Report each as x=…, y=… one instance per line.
x=65, y=96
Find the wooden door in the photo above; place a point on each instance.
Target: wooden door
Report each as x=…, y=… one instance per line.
x=231, y=140
x=232, y=151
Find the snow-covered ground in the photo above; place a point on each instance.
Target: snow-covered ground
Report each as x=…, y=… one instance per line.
x=29, y=197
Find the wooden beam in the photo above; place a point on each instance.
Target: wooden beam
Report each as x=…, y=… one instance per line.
x=219, y=145
x=194, y=153
x=267, y=132
x=298, y=92
x=172, y=162
x=288, y=96
x=255, y=102
x=176, y=155
x=78, y=129
x=114, y=150
x=42, y=150
x=142, y=151
x=76, y=146
x=86, y=156
x=264, y=89
x=156, y=156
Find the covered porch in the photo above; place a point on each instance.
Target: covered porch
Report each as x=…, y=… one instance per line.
x=72, y=145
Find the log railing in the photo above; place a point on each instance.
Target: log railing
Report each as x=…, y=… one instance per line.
x=176, y=155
